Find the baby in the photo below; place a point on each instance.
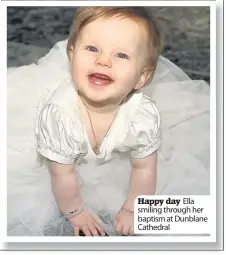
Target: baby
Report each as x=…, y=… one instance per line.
x=97, y=130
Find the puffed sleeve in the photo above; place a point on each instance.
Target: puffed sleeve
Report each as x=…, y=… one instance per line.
x=58, y=137
x=144, y=136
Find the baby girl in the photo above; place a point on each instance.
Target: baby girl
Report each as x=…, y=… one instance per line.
x=99, y=116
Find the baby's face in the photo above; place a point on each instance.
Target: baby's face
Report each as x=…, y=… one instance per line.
x=108, y=59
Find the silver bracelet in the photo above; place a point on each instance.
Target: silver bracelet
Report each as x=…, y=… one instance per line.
x=125, y=210
x=75, y=212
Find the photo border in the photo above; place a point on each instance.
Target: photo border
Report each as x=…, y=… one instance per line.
x=3, y=99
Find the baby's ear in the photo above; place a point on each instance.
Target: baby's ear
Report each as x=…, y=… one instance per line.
x=70, y=52
x=146, y=75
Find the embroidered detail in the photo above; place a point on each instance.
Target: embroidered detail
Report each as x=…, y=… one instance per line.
x=40, y=144
x=156, y=140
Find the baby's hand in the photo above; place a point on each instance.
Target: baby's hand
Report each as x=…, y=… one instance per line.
x=124, y=223
x=85, y=222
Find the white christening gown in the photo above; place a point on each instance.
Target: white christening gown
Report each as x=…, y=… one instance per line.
x=44, y=122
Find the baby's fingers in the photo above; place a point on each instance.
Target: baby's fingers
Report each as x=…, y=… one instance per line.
x=76, y=230
x=125, y=230
x=99, y=229
x=131, y=231
x=118, y=227
x=93, y=229
x=86, y=230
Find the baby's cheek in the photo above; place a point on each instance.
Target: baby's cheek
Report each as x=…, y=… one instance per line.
x=128, y=77
x=78, y=69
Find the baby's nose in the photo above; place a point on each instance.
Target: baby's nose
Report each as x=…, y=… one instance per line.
x=103, y=60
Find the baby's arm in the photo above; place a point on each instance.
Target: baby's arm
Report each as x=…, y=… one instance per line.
x=143, y=179
x=65, y=187
x=142, y=182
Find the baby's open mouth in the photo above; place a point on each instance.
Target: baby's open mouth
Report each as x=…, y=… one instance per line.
x=100, y=79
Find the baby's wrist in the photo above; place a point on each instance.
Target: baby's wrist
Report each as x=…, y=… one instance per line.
x=72, y=207
x=128, y=205
x=75, y=212
x=123, y=209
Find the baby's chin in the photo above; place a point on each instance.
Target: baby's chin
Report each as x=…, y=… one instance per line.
x=98, y=99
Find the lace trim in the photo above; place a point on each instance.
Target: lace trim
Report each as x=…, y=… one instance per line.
x=156, y=140
x=40, y=144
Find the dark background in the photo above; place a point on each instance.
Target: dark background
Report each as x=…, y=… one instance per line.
x=32, y=32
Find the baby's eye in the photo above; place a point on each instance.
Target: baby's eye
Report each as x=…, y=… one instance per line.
x=92, y=48
x=122, y=55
